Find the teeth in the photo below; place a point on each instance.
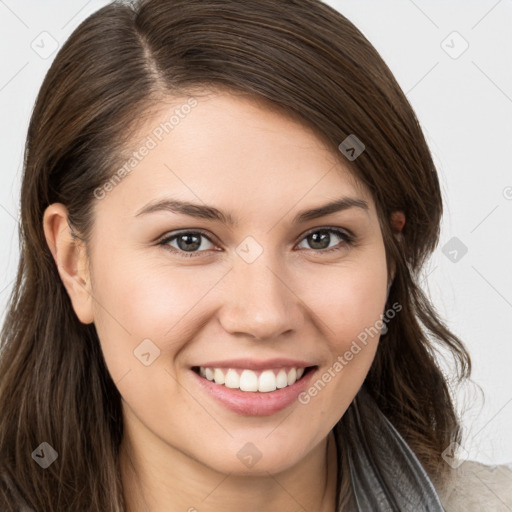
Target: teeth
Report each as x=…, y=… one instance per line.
x=248, y=380
x=232, y=379
x=281, y=379
x=218, y=376
x=267, y=381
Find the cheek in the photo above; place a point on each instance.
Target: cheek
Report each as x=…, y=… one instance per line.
x=351, y=298
x=358, y=308
x=137, y=301
x=144, y=317
x=350, y=302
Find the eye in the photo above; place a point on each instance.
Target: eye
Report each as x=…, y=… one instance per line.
x=192, y=243
x=320, y=239
x=187, y=243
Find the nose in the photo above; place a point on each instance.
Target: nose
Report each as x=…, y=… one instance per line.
x=259, y=301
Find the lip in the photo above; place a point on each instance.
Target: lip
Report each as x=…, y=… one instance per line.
x=254, y=364
x=256, y=403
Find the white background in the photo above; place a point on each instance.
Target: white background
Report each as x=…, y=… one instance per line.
x=464, y=105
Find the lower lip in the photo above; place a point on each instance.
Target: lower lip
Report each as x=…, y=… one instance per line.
x=256, y=403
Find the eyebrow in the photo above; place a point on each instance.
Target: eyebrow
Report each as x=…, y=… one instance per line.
x=212, y=213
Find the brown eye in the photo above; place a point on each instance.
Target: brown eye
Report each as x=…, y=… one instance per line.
x=321, y=239
x=187, y=242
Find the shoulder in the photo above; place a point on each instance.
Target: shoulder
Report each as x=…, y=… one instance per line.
x=473, y=487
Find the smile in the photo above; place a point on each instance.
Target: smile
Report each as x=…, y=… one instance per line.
x=254, y=387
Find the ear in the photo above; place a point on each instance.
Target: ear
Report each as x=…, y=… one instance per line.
x=397, y=221
x=71, y=260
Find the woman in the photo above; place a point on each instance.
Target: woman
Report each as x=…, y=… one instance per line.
x=226, y=206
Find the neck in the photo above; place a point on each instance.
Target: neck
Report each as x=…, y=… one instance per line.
x=160, y=478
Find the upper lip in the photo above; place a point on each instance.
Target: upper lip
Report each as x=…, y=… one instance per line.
x=255, y=364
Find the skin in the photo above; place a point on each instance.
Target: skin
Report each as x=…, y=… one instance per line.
x=294, y=300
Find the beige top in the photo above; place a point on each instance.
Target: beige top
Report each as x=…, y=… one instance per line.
x=476, y=487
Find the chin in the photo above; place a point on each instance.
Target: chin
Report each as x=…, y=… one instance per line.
x=258, y=457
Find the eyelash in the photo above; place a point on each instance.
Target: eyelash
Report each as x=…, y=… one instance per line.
x=347, y=238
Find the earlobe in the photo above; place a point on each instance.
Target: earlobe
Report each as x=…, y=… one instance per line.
x=397, y=221
x=71, y=260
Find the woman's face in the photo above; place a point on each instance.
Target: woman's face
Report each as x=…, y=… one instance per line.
x=211, y=259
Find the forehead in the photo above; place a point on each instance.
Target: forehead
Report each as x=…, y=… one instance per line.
x=223, y=147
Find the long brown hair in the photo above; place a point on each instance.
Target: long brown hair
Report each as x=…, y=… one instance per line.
x=300, y=56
